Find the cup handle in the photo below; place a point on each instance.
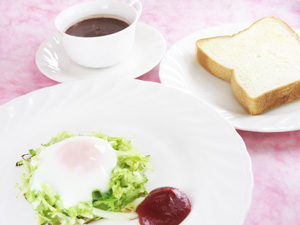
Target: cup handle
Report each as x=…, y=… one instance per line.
x=137, y=5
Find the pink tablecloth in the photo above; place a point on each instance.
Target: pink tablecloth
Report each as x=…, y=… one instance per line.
x=276, y=156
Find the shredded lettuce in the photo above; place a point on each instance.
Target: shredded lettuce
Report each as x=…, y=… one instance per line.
x=127, y=184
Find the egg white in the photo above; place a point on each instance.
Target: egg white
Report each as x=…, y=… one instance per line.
x=75, y=184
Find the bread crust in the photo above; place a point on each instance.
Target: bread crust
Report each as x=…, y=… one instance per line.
x=257, y=105
x=213, y=66
x=268, y=100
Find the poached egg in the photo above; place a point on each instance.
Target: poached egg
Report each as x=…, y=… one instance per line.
x=74, y=167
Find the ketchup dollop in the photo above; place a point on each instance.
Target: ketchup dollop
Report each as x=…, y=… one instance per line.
x=164, y=206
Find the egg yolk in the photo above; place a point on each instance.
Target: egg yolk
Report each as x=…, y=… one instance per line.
x=79, y=156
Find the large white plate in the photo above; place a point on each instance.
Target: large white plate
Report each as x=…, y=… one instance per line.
x=180, y=69
x=191, y=146
x=147, y=52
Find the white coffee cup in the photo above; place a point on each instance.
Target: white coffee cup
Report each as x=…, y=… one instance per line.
x=102, y=51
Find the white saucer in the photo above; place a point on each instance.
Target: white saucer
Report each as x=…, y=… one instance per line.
x=180, y=69
x=147, y=52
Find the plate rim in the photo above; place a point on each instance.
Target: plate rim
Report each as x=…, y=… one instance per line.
x=235, y=124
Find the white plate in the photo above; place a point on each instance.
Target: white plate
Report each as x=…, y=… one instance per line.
x=191, y=146
x=147, y=52
x=180, y=69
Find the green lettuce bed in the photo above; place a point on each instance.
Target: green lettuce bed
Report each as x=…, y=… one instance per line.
x=127, y=184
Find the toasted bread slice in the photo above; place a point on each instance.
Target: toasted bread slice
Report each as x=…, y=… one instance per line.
x=262, y=63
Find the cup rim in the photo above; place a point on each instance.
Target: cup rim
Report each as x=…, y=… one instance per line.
x=137, y=15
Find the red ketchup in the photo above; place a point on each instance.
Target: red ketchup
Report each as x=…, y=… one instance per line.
x=164, y=206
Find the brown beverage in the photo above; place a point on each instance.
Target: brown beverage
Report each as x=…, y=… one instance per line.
x=97, y=26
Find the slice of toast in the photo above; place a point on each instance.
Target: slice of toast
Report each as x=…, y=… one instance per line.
x=262, y=63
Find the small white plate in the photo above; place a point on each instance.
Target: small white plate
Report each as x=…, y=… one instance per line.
x=147, y=52
x=191, y=146
x=180, y=69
